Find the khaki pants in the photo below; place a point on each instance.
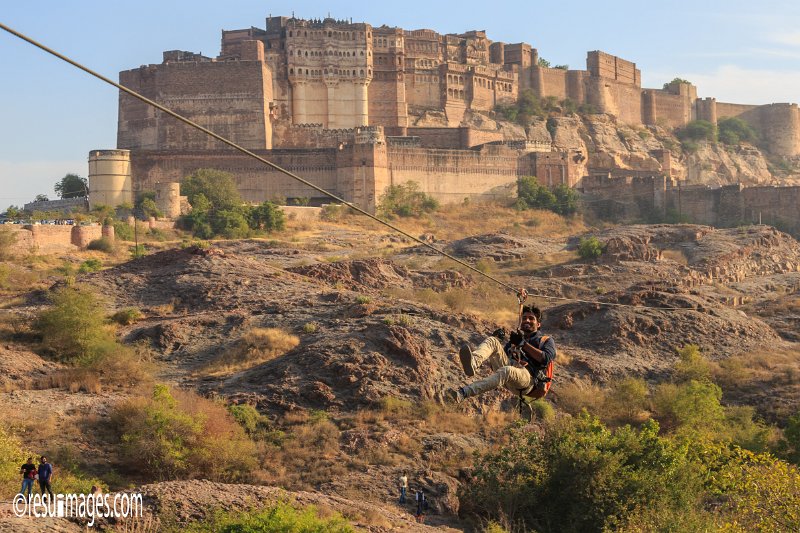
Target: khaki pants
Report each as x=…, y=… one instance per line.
x=511, y=377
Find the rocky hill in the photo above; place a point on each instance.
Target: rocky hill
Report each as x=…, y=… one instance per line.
x=379, y=324
x=607, y=143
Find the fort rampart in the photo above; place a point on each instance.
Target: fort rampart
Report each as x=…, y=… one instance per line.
x=47, y=238
x=651, y=198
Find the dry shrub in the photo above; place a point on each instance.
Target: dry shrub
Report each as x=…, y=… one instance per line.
x=573, y=397
x=498, y=419
x=448, y=421
x=396, y=408
x=256, y=346
x=308, y=455
x=675, y=255
x=178, y=435
x=457, y=300
x=127, y=366
x=375, y=518
x=770, y=367
x=407, y=445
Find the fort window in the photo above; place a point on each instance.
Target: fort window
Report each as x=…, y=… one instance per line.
x=291, y=71
x=290, y=34
x=362, y=53
x=306, y=53
x=362, y=72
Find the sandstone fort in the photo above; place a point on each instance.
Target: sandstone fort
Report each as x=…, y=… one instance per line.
x=355, y=108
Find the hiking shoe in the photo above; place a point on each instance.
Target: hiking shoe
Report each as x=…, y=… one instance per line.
x=467, y=361
x=455, y=396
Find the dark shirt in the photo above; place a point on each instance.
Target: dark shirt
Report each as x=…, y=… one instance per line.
x=28, y=470
x=45, y=471
x=548, y=349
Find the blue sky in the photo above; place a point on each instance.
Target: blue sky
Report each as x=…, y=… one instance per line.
x=52, y=115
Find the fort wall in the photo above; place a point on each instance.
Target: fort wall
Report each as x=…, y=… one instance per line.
x=642, y=198
x=231, y=98
x=51, y=239
x=672, y=110
x=452, y=175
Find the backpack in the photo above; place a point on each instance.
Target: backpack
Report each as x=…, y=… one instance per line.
x=542, y=379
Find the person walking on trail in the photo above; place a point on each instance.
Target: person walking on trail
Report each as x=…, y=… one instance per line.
x=524, y=373
x=45, y=475
x=28, y=471
x=403, y=487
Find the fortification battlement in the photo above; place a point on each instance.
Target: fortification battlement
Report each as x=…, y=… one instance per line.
x=325, y=23
x=183, y=55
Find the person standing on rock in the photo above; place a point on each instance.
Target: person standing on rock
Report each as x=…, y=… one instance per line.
x=403, y=487
x=28, y=471
x=524, y=376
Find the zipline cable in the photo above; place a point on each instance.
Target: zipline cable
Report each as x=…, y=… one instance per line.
x=287, y=172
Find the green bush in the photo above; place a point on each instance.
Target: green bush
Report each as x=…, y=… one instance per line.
x=266, y=217
x=733, y=131
x=126, y=317
x=406, y=200
x=256, y=425
x=560, y=199
x=138, y=251
x=230, y=224
x=123, y=231
x=789, y=446
x=577, y=475
x=103, y=244
x=590, y=248
x=580, y=476
x=692, y=364
x=278, y=518
x=74, y=327
x=179, y=435
x=542, y=410
x=697, y=130
x=90, y=265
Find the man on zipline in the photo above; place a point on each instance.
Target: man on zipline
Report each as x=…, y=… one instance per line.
x=520, y=365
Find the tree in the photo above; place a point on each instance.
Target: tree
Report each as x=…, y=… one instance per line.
x=14, y=212
x=543, y=63
x=566, y=199
x=218, y=187
x=531, y=195
x=590, y=248
x=74, y=328
x=41, y=198
x=698, y=130
x=406, y=200
x=72, y=186
x=734, y=130
x=676, y=81
x=266, y=217
x=581, y=476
